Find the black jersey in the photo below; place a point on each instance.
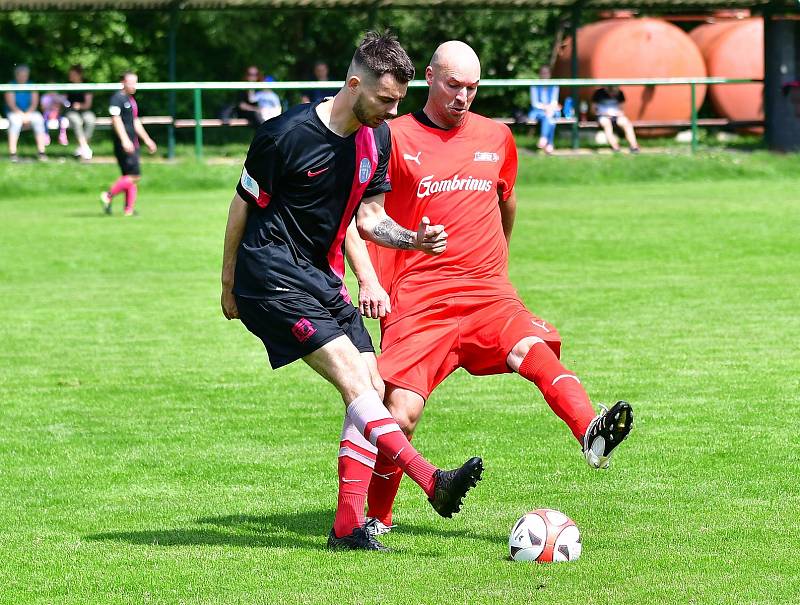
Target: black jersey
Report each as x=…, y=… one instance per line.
x=125, y=107
x=304, y=183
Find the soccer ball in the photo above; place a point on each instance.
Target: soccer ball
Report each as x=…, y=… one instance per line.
x=545, y=535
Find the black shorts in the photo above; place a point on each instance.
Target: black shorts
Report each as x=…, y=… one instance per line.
x=298, y=324
x=128, y=162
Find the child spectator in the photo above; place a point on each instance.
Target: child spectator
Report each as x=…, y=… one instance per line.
x=52, y=103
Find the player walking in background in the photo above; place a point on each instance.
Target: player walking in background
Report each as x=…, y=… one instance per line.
x=127, y=129
x=459, y=309
x=307, y=174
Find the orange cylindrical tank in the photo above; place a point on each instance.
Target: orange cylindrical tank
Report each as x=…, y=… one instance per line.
x=734, y=49
x=639, y=48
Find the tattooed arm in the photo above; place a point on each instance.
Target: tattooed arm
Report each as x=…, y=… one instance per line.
x=377, y=226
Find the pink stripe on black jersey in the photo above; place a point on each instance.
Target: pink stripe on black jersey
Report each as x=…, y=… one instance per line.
x=135, y=109
x=366, y=163
x=315, y=180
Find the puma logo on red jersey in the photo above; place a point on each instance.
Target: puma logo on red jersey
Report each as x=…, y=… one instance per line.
x=413, y=158
x=303, y=330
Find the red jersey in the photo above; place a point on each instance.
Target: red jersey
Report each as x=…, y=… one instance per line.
x=457, y=178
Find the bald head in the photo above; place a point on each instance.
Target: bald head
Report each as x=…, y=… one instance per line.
x=457, y=56
x=453, y=77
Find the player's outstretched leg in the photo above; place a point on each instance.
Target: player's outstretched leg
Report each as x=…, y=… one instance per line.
x=605, y=432
x=445, y=489
x=340, y=362
x=598, y=435
x=536, y=361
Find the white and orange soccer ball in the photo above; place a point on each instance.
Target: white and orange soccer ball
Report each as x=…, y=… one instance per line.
x=545, y=535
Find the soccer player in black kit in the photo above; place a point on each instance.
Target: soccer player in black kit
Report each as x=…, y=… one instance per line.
x=127, y=129
x=309, y=173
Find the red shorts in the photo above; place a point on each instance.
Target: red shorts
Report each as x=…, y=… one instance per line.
x=476, y=333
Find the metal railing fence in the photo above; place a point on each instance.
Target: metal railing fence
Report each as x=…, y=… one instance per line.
x=197, y=89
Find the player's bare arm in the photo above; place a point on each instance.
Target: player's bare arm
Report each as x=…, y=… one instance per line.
x=373, y=301
x=234, y=230
x=139, y=128
x=376, y=226
x=508, y=211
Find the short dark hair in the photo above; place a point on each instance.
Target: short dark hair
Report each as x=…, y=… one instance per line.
x=126, y=73
x=77, y=68
x=382, y=54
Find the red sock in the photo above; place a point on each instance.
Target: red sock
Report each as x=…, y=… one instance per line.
x=130, y=197
x=561, y=388
x=376, y=424
x=121, y=184
x=356, y=461
x=383, y=489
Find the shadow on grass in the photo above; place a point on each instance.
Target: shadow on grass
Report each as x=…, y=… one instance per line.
x=308, y=523
x=305, y=529
x=89, y=214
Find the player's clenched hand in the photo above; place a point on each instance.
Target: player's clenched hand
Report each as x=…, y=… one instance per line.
x=151, y=146
x=128, y=147
x=229, y=305
x=373, y=301
x=431, y=239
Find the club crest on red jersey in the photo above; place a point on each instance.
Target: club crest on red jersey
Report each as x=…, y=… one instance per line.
x=486, y=156
x=303, y=330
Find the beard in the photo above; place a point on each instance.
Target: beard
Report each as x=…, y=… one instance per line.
x=363, y=114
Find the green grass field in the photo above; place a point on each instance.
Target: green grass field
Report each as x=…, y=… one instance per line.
x=148, y=454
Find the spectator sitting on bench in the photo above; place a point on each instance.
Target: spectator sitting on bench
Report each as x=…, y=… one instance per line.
x=321, y=74
x=52, y=103
x=80, y=114
x=545, y=108
x=269, y=104
x=21, y=111
x=608, y=105
x=247, y=101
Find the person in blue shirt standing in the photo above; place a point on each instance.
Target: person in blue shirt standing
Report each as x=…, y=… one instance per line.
x=21, y=110
x=545, y=108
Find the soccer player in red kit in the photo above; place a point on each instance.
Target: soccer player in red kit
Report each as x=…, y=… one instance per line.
x=459, y=309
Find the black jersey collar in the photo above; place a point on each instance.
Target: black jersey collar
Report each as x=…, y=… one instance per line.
x=422, y=117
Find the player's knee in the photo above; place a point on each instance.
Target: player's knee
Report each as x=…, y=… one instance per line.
x=406, y=420
x=524, y=346
x=406, y=408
